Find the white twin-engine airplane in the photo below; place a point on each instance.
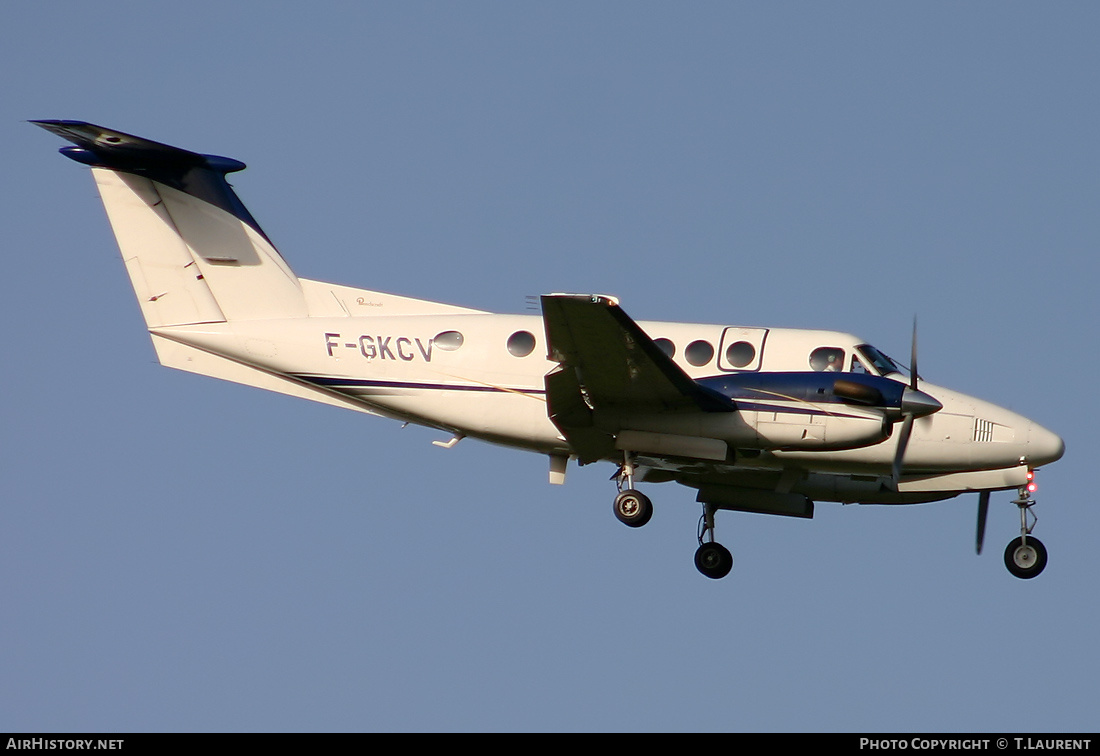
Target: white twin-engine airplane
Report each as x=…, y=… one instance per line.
x=762, y=420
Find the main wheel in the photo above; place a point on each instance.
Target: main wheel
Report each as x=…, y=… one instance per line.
x=713, y=560
x=1025, y=560
x=633, y=508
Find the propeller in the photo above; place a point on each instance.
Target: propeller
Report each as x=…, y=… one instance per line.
x=914, y=403
x=983, y=510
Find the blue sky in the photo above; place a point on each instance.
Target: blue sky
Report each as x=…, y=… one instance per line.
x=178, y=553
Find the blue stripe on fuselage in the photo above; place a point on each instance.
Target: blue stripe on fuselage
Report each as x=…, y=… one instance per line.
x=354, y=383
x=816, y=388
x=757, y=402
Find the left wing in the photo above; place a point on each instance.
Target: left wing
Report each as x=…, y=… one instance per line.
x=607, y=362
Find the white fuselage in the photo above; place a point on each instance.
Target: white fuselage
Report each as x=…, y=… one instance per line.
x=414, y=367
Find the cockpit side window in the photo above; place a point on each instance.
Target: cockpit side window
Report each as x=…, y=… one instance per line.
x=827, y=359
x=881, y=363
x=858, y=366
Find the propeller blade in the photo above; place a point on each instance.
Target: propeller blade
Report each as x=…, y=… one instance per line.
x=913, y=358
x=903, y=441
x=914, y=404
x=983, y=510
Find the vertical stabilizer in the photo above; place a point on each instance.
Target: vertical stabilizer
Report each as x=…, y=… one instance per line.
x=193, y=252
x=167, y=281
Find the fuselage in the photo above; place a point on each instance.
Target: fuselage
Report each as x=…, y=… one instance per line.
x=482, y=375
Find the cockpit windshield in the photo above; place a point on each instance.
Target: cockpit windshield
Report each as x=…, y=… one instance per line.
x=883, y=364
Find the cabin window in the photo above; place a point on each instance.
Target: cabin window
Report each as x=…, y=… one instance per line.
x=699, y=353
x=827, y=359
x=740, y=354
x=521, y=344
x=448, y=341
x=666, y=346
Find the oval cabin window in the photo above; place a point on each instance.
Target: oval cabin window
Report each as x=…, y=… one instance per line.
x=699, y=353
x=448, y=341
x=521, y=344
x=740, y=354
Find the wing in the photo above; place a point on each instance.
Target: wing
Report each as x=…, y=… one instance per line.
x=606, y=362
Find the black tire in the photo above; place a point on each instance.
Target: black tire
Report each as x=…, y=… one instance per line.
x=1026, y=562
x=633, y=508
x=713, y=560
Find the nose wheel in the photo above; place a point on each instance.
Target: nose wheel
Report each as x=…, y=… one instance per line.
x=1025, y=558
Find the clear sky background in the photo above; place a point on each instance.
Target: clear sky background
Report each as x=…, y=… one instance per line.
x=179, y=553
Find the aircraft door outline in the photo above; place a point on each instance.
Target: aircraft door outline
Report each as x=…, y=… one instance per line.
x=741, y=349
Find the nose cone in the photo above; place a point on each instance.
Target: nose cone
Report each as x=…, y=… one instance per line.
x=917, y=403
x=1043, y=447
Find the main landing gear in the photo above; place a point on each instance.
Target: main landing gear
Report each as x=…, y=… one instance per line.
x=634, y=508
x=1026, y=556
x=711, y=558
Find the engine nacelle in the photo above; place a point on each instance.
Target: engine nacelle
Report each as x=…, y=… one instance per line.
x=811, y=429
x=797, y=430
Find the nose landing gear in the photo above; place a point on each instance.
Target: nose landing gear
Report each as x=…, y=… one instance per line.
x=1026, y=556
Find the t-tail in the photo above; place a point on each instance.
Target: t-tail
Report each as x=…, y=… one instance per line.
x=200, y=263
x=193, y=252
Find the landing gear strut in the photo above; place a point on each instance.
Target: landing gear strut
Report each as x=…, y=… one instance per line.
x=632, y=507
x=1026, y=556
x=711, y=558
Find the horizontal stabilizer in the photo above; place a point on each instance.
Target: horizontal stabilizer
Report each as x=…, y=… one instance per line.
x=176, y=354
x=202, y=176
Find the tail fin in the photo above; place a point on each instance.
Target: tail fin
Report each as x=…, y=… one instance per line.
x=193, y=252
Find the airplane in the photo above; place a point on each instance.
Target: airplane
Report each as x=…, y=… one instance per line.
x=755, y=419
